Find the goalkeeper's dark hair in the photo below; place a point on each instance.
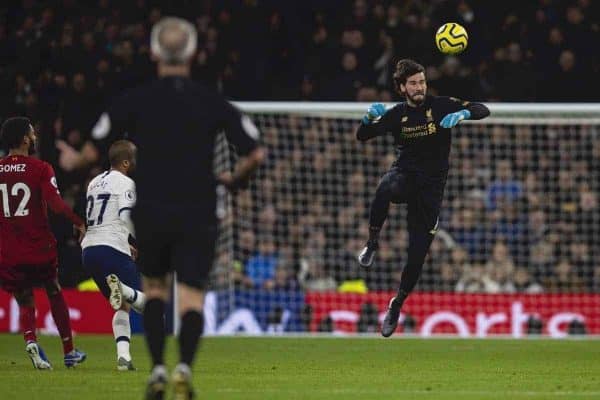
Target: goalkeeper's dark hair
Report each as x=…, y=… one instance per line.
x=121, y=150
x=13, y=131
x=405, y=68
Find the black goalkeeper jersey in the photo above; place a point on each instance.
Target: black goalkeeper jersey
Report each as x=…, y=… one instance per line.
x=422, y=145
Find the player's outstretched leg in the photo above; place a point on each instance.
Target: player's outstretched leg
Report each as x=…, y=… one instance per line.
x=120, y=292
x=390, y=322
x=116, y=291
x=389, y=189
x=419, y=241
x=367, y=255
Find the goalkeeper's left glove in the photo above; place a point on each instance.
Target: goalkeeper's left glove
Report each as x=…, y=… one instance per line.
x=451, y=120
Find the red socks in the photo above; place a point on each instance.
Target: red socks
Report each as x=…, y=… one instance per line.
x=27, y=323
x=60, y=313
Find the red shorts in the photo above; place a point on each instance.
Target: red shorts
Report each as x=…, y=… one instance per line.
x=20, y=277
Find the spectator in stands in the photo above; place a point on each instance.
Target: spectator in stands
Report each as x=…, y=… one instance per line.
x=468, y=233
x=580, y=256
x=476, y=280
x=537, y=227
x=458, y=80
x=283, y=279
x=516, y=78
x=247, y=246
x=467, y=178
x=448, y=278
x=566, y=194
x=504, y=189
x=564, y=279
x=245, y=202
x=500, y=267
x=533, y=197
x=542, y=257
x=383, y=64
x=268, y=220
x=312, y=276
x=451, y=270
x=261, y=267
x=227, y=272
x=588, y=210
x=357, y=188
x=347, y=80
x=509, y=226
x=523, y=283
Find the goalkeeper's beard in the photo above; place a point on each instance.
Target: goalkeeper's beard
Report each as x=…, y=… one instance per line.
x=415, y=101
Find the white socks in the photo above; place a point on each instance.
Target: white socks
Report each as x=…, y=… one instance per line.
x=122, y=332
x=134, y=297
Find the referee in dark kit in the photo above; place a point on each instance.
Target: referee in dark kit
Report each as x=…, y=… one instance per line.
x=174, y=122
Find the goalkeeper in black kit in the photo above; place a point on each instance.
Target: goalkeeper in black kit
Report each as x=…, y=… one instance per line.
x=421, y=127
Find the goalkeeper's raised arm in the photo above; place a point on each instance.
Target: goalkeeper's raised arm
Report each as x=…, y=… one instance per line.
x=373, y=123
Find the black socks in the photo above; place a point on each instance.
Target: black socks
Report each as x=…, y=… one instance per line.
x=154, y=327
x=192, y=326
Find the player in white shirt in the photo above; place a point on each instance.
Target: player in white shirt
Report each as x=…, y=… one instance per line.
x=108, y=254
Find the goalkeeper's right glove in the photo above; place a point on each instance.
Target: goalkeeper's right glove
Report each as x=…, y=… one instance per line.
x=374, y=113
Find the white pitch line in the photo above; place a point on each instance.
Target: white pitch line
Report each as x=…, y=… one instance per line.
x=415, y=391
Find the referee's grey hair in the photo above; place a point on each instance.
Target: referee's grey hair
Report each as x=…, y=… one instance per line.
x=173, y=40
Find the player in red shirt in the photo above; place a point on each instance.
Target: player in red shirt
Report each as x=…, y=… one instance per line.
x=28, y=255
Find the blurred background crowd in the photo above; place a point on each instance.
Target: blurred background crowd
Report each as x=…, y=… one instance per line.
x=526, y=220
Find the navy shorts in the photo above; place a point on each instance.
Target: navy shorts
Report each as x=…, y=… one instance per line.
x=101, y=261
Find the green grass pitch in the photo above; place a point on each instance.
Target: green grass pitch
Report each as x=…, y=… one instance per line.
x=321, y=368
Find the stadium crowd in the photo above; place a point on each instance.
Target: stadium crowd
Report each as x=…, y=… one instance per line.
x=526, y=220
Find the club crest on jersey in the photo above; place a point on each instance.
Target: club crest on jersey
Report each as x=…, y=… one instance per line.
x=431, y=128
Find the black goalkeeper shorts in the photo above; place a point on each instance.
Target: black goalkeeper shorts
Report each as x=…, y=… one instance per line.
x=171, y=239
x=422, y=193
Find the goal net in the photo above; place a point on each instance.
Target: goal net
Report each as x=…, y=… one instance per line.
x=516, y=253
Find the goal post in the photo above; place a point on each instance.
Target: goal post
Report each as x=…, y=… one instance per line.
x=517, y=252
